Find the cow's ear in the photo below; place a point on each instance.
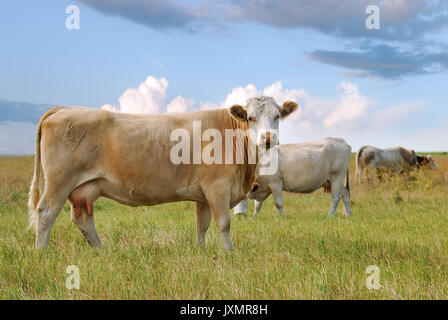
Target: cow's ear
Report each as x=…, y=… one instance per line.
x=238, y=112
x=287, y=108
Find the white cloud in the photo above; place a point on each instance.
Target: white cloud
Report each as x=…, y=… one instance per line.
x=314, y=112
x=239, y=95
x=109, y=107
x=148, y=98
x=350, y=115
x=180, y=105
x=351, y=105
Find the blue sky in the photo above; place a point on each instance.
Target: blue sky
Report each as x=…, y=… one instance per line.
x=383, y=87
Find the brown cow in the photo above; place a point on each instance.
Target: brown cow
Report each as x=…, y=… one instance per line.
x=424, y=162
x=88, y=153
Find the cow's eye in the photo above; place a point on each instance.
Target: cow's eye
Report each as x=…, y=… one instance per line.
x=252, y=119
x=276, y=117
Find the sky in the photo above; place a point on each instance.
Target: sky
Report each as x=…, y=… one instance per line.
x=384, y=87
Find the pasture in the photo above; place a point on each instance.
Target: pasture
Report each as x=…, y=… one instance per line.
x=401, y=226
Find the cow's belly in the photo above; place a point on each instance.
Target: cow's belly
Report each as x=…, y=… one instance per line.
x=131, y=196
x=304, y=184
x=303, y=176
x=390, y=160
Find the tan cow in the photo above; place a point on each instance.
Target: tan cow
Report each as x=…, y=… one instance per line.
x=88, y=153
x=372, y=159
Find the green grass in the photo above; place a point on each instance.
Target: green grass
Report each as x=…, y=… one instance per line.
x=150, y=252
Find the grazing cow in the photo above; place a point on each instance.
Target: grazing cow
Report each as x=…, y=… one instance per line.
x=424, y=162
x=88, y=153
x=395, y=160
x=304, y=168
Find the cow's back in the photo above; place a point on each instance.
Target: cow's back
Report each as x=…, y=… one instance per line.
x=305, y=167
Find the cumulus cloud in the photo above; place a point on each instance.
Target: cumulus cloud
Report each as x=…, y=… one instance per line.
x=350, y=111
x=351, y=106
x=239, y=95
x=180, y=105
x=148, y=98
x=314, y=112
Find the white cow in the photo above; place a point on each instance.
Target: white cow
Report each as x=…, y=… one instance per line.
x=304, y=168
x=370, y=159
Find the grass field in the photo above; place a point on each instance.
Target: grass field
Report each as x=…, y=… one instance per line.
x=150, y=252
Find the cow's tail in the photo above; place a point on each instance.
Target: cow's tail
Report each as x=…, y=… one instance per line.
x=34, y=195
x=357, y=161
x=347, y=183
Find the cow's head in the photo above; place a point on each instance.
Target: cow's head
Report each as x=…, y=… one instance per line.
x=426, y=162
x=421, y=161
x=432, y=162
x=262, y=115
x=259, y=192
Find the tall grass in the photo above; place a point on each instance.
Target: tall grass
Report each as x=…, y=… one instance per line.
x=150, y=252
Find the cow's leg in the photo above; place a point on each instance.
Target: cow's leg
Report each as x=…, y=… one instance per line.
x=86, y=224
x=241, y=207
x=360, y=171
x=203, y=217
x=371, y=177
x=334, y=203
x=48, y=209
x=346, y=200
x=278, y=199
x=337, y=184
x=257, y=207
x=219, y=203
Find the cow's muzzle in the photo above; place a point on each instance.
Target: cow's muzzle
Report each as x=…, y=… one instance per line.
x=268, y=140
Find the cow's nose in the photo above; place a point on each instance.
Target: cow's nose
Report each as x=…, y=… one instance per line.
x=268, y=139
